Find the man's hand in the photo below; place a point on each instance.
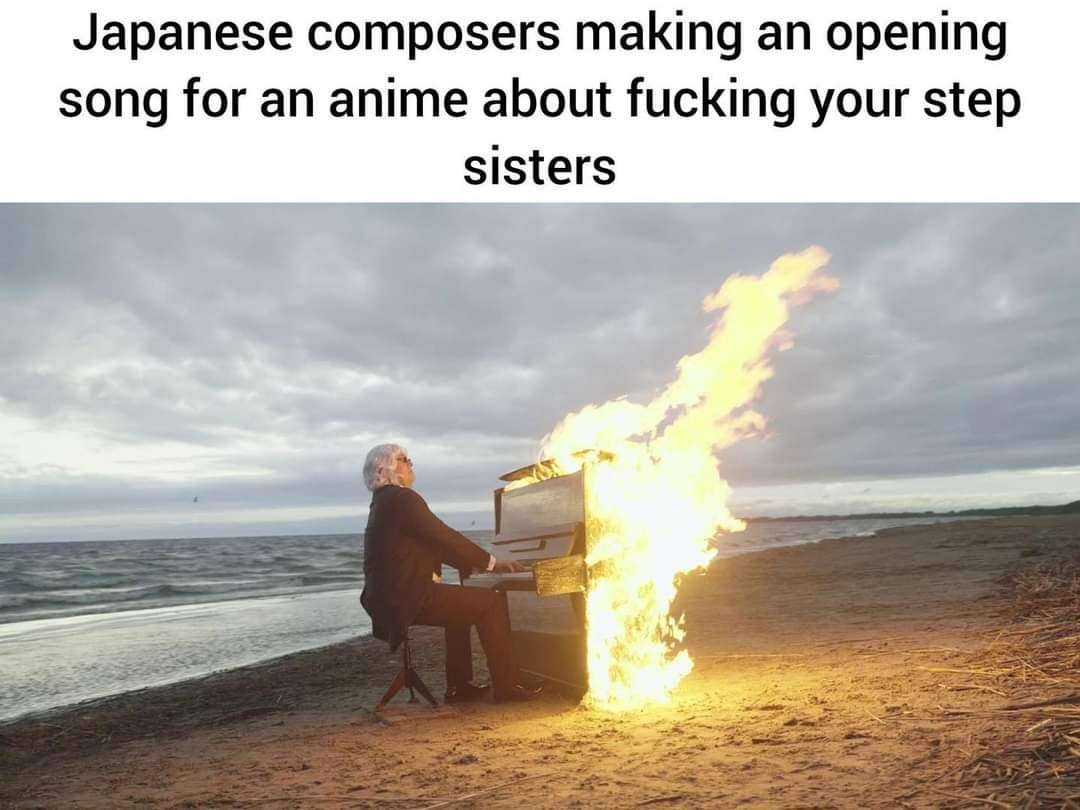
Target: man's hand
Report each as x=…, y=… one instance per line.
x=509, y=567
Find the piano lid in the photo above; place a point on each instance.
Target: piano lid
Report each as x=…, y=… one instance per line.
x=533, y=469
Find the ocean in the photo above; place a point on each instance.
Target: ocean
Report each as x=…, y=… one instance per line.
x=55, y=580
x=82, y=620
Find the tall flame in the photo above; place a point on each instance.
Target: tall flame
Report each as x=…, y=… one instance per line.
x=654, y=496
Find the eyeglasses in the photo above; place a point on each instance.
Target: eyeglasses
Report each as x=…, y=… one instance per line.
x=406, y=459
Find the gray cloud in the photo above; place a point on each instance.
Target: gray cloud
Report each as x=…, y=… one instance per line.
x=282, y=340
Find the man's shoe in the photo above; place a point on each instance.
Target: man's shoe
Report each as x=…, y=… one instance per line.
x=521, y=693
x=466, y=693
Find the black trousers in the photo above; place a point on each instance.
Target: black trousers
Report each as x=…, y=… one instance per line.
x=458, y=609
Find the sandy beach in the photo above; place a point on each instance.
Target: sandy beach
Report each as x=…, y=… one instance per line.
x=861, y=672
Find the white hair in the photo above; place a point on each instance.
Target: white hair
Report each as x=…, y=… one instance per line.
x=380, y=464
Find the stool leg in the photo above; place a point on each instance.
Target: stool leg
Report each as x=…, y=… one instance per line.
x=413, y=680
x=421, y=687
x=395, y=686
x=407, y=678
x=409, y=672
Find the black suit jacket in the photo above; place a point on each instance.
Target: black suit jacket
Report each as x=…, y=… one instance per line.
x=405, y=543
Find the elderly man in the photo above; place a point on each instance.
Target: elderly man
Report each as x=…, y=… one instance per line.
x=405, y=547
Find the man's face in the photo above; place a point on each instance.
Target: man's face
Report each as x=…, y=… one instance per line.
x=404, y=468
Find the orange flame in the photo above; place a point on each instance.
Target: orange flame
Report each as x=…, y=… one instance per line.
x=656, y=504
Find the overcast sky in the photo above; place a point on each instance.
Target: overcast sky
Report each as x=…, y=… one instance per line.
x=250, y=355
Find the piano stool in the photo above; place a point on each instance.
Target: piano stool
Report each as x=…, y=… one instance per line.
x=407, y=678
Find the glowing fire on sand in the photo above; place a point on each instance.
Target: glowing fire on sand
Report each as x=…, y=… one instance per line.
x=654, y=506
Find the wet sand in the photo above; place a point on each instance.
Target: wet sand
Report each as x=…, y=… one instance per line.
x=827, y=675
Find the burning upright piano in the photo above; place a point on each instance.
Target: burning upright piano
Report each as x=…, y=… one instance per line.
x=543, y=525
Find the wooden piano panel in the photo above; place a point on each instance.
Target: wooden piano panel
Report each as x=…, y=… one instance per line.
x=543, y=504
x=539, y=615
x=557, y=659
x=548, y=637
x=532, y=545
